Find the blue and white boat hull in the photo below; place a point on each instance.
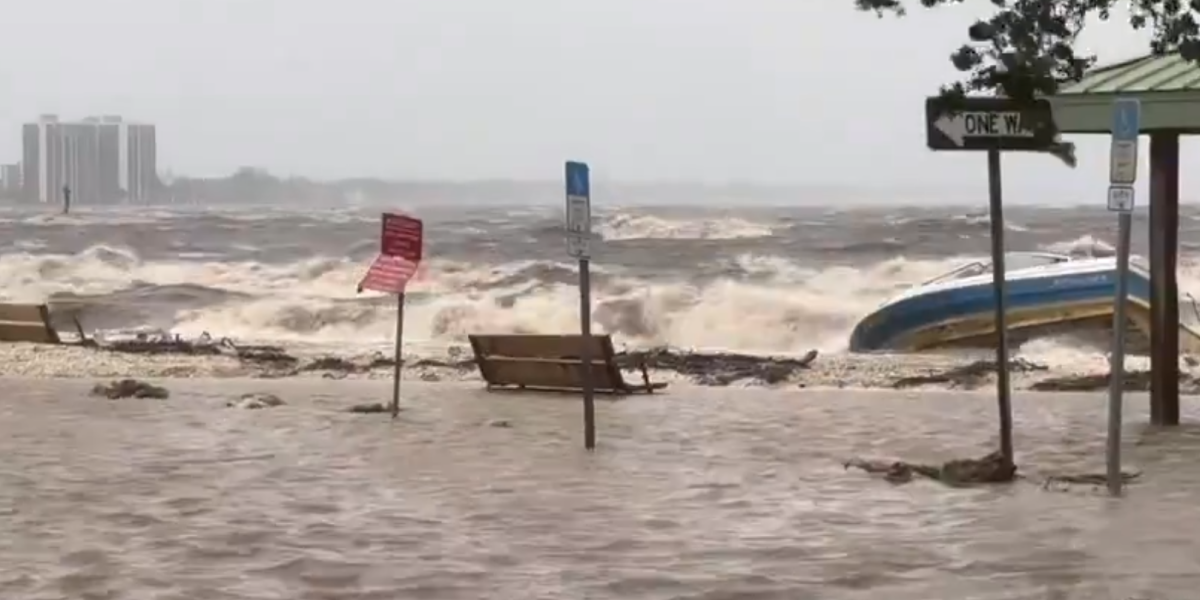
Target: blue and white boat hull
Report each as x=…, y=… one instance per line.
x=1056, y=294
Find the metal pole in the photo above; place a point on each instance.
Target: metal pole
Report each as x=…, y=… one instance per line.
x=585, y=326
x=398, y=358
x=1116, y=377
x=995, y=201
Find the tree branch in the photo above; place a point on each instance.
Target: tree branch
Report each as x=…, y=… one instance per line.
x=1027, y=48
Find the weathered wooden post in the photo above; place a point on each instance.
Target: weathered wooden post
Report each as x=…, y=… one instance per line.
x=1164, y=287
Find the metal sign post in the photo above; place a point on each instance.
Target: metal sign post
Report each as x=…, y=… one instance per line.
x=993, y=125
x=401, y=247
x=398, y=356
x=579, y=234
x=1123, y=159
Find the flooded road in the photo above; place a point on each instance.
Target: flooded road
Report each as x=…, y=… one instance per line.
x=700, y=494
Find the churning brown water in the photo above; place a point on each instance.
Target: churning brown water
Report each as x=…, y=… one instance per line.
x=700, y=494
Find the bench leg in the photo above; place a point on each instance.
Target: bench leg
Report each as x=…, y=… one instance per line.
x=83, y=340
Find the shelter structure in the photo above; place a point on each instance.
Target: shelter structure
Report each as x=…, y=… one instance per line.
x=1169, y=90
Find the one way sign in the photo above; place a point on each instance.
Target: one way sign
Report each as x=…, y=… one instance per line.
x=989, y=124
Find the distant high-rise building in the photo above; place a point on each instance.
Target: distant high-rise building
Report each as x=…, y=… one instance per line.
x=103, y=160
x=43, y=158
x=111, y=132
x=81, y=162
x=141, y=162
x=10, y=181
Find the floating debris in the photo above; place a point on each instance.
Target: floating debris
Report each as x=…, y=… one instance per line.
x=1135, y=381
x=967, y=376
x=379, y=361
x=144, y=344
x=271, y=356
x=268, y=361
x=1092, y=479
x=256, y=401
x=720, y=368
x=712, y=369
x=993, y=468
x=369, y=409
x=716, y=369
x=130, y=388
x=333, y=363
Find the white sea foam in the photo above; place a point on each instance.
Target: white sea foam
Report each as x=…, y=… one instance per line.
x=786, y=306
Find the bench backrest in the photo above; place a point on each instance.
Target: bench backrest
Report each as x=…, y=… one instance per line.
x=26, y=323
x=545, y=361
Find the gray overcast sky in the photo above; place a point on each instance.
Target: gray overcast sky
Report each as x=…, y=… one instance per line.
x=771, y=91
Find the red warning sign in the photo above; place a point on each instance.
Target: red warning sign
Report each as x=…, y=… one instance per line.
x=401, y=246
x=403, y=236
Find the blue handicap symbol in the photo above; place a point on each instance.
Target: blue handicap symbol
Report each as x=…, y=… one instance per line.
x=577, y=179
x=1126, y=119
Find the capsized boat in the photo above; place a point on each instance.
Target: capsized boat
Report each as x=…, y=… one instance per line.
x=1048, y=294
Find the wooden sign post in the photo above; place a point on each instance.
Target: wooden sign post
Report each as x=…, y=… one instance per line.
x=401, y=246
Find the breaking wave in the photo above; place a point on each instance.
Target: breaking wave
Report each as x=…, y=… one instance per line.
x=759, y=304
x=780, y=282
x=629, y=226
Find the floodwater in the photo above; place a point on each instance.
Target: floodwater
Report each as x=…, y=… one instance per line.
x=699, y=494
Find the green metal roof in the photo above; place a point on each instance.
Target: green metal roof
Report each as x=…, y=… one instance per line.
x=1166, y=73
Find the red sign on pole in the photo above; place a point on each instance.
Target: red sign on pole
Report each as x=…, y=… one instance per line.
x=389, y=274
x=402, y=236
x=401, y=245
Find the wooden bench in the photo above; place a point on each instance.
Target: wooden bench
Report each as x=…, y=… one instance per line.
x=552, y=363
x=27, y=323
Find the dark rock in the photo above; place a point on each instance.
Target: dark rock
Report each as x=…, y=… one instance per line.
x=500, y=423
x=966, y=376
x=130, y=388
x=256, y=401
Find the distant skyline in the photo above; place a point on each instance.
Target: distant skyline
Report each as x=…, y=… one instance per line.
x=773, y=92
